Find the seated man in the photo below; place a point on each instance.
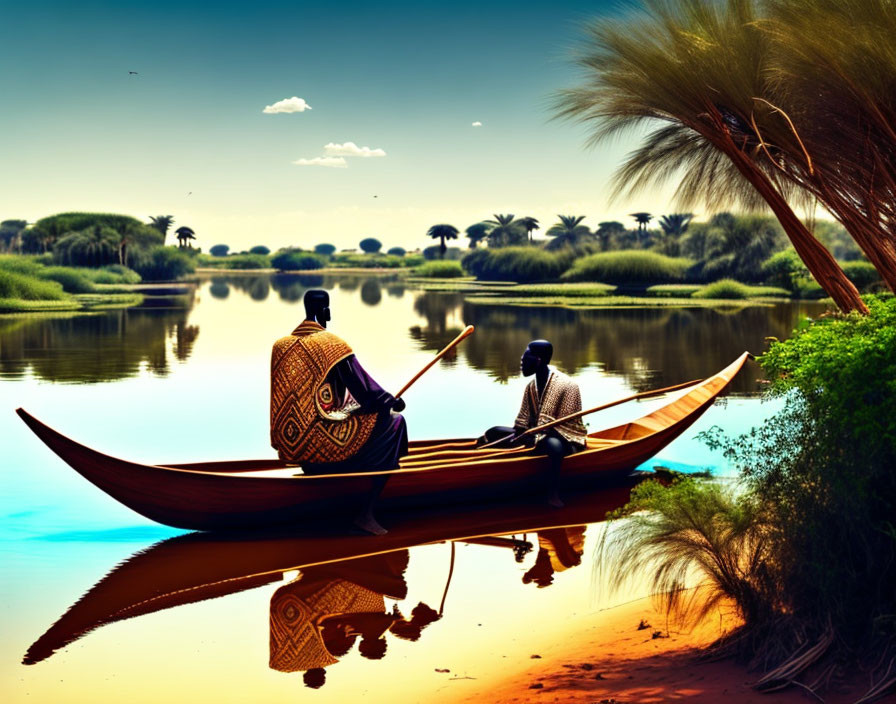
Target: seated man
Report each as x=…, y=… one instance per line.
x=327, y=413
x=549, y=396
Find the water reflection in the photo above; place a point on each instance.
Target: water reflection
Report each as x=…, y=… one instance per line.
x=88, y=349
x=337, y=600
x=649, y=347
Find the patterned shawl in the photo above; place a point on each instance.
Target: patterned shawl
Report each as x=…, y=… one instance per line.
x=560, y=398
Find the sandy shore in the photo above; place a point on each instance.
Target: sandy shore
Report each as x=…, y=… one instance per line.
x=609, y=660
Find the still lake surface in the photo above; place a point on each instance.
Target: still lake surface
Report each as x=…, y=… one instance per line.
x=160, y=384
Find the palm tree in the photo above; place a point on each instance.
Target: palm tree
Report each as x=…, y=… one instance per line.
x=442, y=233
x=695, y=69
x=568, y=232
x=529, y=224
x=477, y=232
x=162, y=223
x=673, y=227
x=184, y=235
x=642, y=220
x=505, y=231
x=133, y=234
x=94, y=246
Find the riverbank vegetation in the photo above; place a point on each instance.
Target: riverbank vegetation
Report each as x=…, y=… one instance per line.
x=804, y=547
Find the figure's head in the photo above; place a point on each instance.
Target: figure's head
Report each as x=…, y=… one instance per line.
x=315, y=677
x=537, y=356
x=317, y=305
x=372, y=648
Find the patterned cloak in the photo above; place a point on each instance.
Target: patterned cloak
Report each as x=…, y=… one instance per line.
x=560, y=398
x=308, y=424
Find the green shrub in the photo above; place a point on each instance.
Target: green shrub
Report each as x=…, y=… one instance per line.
x=72, y=280
x=351, y=260
x=724, y=288
x=397, y=251
x=521, y=264
x=114, y=274
x=629, y=267
x=862, y=274
x=20, y=264
x=260, y=249
x=219, y=250
x=673, y=290
x=164, y=264
x=324, y=249
x=411, y=260
x=440, y=270
x=29, y=288
x=784, y=269
x=245, y=262
x=292, y=260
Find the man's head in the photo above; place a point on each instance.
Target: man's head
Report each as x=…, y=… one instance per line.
x=537, y=356
x=317, y=305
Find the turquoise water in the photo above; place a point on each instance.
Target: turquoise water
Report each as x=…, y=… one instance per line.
x=180, y=385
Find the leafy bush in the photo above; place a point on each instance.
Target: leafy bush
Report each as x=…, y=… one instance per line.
x=29, y=288
x=862, y=274
x=20, y=264
x=114, y=274
x=260, y=249
x=521, y=264
x=164, y=264
x=292, y=260
x=735, y=290
x=440, y=270
x=412, y=260
x=629, y=267
x=397, y=251
x=72, y=280
x=784, y=269
x=219, y=250
x=324, y=249
x=351, y=260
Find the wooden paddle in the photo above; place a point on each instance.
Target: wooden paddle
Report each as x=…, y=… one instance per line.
x=467, y=331
x=579, y=414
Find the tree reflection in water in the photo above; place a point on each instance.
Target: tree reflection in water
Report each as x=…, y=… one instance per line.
x=649, y=347
x=88, y=349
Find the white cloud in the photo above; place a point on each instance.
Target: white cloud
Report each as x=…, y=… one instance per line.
x=336, y=162
x=293, y=104
x=351, y=149
x=477, y=124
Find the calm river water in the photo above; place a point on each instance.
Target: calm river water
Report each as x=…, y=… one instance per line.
x=161, y=384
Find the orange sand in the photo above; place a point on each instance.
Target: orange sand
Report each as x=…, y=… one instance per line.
x=610, y=661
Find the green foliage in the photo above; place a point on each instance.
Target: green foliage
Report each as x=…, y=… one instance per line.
x=235, y=261
x=629, y=267
x=10, y=230
x=440, y=270
x=351, y=260
x=569, y=232
x=292, y=260
x=324, y=249
x=72, y=280
x=784, y=269
x=219, y=250
x=370, y=245
x=397, y=251
x=694, y=526
x=260, y=249
x=435, y=252
x=113, y=274
x=824, y=467
x=735, y=246
x=729, y=289
x=504, y=231
x=520, y=264
x=29, y=288
x=862, y=274
x=164, y=264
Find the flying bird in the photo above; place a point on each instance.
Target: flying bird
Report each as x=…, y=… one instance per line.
x=133, y=73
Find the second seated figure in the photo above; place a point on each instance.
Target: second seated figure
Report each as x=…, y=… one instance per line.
x=549, y=396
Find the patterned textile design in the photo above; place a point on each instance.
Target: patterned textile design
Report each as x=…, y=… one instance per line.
x=564, y=546
x=561, y=397
x=297, y=611
x=302, y=429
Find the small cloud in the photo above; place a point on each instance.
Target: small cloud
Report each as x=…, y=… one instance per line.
x=335, y=162
x=293, y=104
x=477, y=124
x=351, y=149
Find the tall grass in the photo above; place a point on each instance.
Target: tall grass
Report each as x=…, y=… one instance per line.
x=729, y=289
x=521, y=264
x=629, y=267
x=29, y=288
x=447, y=269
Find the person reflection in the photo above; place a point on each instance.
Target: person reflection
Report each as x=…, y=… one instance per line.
x=323, y=613
x=558, y=549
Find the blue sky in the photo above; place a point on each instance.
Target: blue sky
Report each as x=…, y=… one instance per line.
x=187, y=135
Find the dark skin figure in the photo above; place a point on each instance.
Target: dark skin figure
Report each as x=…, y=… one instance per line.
x=317, y=309
x=535, y=361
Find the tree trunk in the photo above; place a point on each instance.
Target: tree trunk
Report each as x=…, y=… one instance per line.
x=818, y=260
x=442, y=248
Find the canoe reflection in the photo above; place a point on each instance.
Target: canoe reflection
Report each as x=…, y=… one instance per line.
x=338, y=599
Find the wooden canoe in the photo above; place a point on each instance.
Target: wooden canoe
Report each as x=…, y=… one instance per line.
x=200, y=566
x=258, y=493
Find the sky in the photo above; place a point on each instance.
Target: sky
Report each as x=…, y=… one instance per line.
x=296, y=123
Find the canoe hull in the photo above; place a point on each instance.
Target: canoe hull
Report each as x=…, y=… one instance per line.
x=228, y=496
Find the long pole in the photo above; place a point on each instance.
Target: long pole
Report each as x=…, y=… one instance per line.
x=579, y=414
x=467, y=331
